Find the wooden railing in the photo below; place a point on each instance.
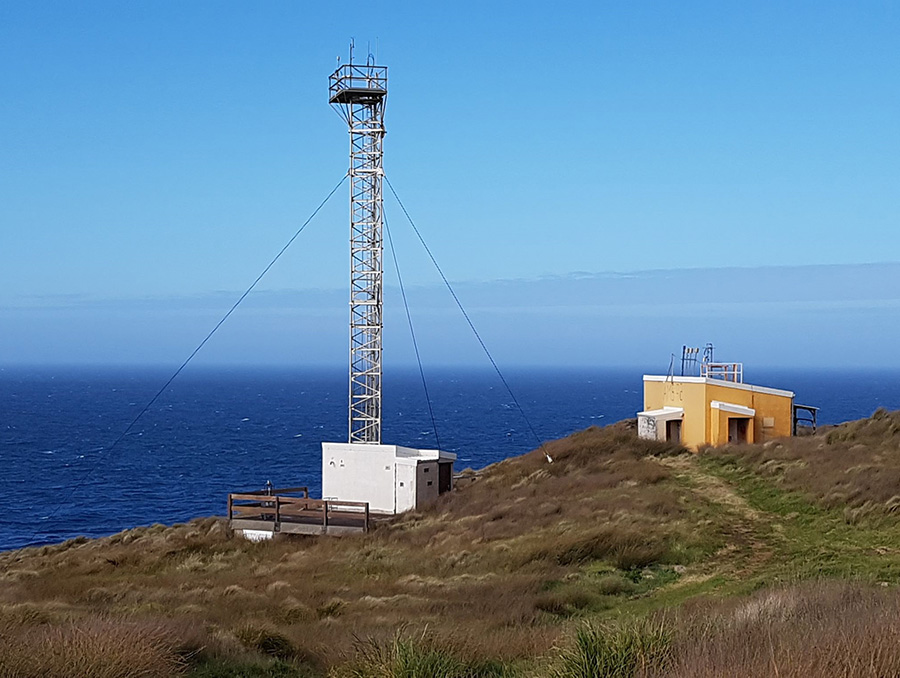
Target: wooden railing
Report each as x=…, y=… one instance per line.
x=279, y=509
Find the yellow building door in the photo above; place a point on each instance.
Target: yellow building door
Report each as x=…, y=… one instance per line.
x=737, y=429
x=673, y=430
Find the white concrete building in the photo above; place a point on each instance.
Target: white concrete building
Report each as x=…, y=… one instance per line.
x=393, y=479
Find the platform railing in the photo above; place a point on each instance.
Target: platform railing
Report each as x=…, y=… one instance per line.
x=278, y=509
x=357, y=76
x=723, y=371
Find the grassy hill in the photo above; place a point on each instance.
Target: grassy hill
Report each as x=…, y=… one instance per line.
x=623, y=557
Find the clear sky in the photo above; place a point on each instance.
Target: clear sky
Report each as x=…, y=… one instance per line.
x=153, y=154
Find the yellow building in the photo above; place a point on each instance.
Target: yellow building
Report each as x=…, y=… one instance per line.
x=714, y=409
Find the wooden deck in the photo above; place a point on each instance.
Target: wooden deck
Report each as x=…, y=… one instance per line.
x=278, y=512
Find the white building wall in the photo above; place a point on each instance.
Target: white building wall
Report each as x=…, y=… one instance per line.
x=406, y=485
x=391, y=478
x=359, y=472
x=647, y=427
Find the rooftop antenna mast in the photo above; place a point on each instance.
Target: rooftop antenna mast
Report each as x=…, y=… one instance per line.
x=358, y=93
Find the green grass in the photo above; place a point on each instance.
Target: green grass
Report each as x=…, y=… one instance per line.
x=809, y=540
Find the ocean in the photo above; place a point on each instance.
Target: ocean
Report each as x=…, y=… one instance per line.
x=216, y=431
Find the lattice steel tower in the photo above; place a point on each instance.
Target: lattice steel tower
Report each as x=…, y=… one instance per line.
x=358, y=93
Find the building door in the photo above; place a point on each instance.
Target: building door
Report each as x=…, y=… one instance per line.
x=737, y=429
x=445, y=478
x=673, y=430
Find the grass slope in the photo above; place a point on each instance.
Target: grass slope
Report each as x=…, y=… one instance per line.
x=623, y=557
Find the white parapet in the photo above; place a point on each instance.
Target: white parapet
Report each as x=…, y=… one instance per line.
x=391, y=478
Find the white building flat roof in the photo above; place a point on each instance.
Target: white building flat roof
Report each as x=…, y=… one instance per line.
x=424, y=455
x=663, y=413
x=734, y=409
x=398, y=451
x=720, y=382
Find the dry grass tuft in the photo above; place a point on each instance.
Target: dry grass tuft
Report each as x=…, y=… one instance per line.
x=620, y=651
x=414, y=657
x=835, y=629
x=94, y=648
x=266, y=641
x=855, y=465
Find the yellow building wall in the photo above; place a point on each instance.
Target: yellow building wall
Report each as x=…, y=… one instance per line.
x=719, y=427
x=717, y=432
x=690, y=397
x=778, y=408
x=703, y=425
x=769, y=406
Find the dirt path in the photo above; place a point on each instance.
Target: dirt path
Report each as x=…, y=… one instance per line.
x=712, y=488
x=748, y=527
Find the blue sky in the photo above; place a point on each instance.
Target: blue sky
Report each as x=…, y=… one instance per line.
x=154, y=156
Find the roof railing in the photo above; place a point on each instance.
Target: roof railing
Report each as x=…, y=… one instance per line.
x=733, y=372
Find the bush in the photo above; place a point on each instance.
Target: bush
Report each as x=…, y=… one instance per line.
x=615, y=652
x=225, y=668
x=624, y=547
x=93, y=649
x=564, y=602
x=265, y=641
x=813, y=629
x=406, y=658
x=614, y=585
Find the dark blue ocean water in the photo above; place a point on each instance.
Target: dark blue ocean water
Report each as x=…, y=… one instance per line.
x=217, y=431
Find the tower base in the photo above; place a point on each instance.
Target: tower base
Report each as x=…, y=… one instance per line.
x=391, y=478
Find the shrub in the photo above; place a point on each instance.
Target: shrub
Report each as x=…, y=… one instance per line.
x=615, y=652
x=564, y=602
x=403, y=657
x=265, y=641
x=330, y=609
x=229, y=668
x=614, y=585
x=814, y=629
x=93, y=649
x=625, y=547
